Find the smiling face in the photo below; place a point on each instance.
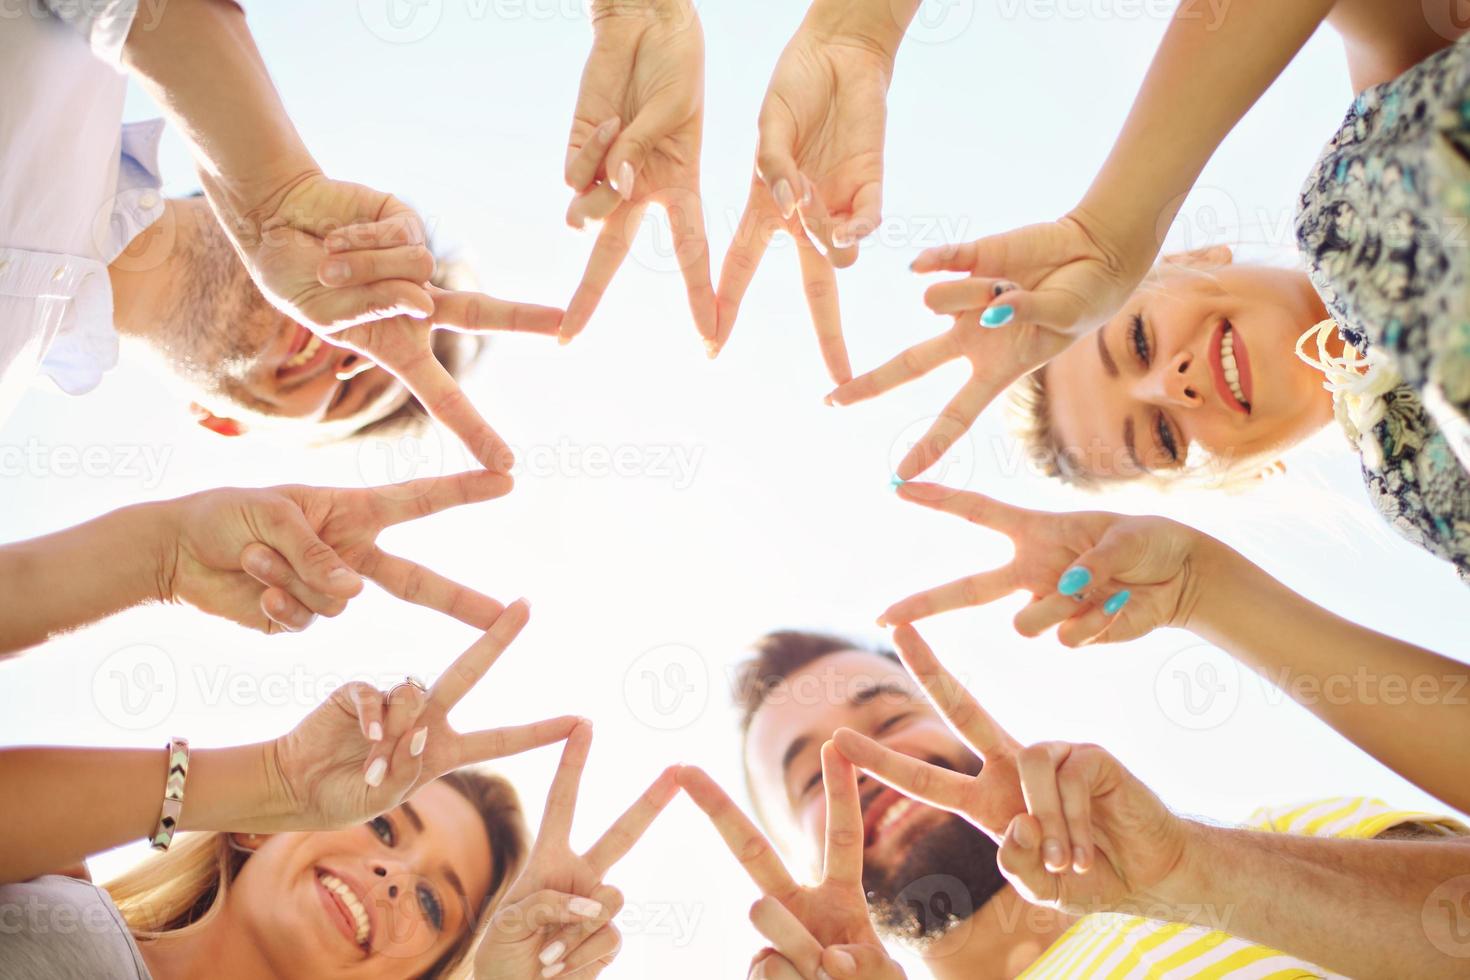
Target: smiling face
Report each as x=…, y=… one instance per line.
x=385, y=899
x=1202, y=355
x=909, y=845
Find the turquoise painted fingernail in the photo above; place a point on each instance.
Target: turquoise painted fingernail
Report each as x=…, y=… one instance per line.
x=1074, y=580
x=1117, y=602
x=896, y=482
x=997, y=316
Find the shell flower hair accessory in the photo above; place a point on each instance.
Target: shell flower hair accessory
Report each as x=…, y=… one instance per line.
x=1358, y=384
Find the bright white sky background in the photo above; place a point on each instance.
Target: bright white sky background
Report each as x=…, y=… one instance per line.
x=647, y=585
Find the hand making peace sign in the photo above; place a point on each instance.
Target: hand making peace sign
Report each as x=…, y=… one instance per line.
x=556, y=919
x=1054, y=807
x=810, y=927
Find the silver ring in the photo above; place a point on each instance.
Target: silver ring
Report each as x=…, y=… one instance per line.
x=409, y=680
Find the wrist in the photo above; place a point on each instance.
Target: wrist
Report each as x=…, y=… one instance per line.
x=878, y=25
x=1184, y=890
x=232, y=789
x=1201, y=601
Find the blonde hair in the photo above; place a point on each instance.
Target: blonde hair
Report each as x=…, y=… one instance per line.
x=184, y=888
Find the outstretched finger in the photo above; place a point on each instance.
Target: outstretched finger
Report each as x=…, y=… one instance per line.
x=469, y=312
x=425, y=587
x=633, y=824
x=844, y=851
x=440, y=394
x=497, y=743
x=691, y=248
x=613, y=244
x=914, y=778
x=784, y=931
x=561, y=799
x=911, y=365
x=819, y=283
x=953, y=422
x=972, y=590
x=748, y=844
x=960, y=709
x=976, y=508
x=396, y=503
x=471, y=666
x=742, y=258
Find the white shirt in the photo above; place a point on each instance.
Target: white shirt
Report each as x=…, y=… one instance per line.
x=76, y=186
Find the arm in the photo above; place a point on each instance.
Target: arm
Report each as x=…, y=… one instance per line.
x=64, y=804
x=75, y=577
x=1400, y=703
x=1209, y=70
x=1310, y=897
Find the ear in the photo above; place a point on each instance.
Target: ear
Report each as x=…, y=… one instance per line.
x=212, y=422
x=248, y=842
x=1212, y=257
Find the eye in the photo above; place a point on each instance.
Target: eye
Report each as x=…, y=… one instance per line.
x=429, y=904
x=1167, y=441
x=1138, y=337
x=383, y=827
x=889, y=723
x=812, y=783
x=342, y=388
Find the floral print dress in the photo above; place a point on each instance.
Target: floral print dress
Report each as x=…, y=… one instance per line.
x=1384, y=224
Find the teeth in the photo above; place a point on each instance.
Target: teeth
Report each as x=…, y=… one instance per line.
x=305, y=354
x=893, y=815
x=1227, y=362
x=339, y=888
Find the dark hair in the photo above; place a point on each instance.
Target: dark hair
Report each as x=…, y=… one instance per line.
x=778, y=655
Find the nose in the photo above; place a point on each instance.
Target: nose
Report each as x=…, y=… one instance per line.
x=1172, y=382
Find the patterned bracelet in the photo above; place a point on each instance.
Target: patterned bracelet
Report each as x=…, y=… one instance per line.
x=173, y=793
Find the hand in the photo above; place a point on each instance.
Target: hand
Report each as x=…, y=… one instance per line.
x=635, y=140
x=1104, y=577
x=331, y=770
x=823, y=926
x=274, y=559
x=381, y=267
x=556, y=918
x=1046, y=285
x=1053, y=807
x=819, y=174
x=403, y=346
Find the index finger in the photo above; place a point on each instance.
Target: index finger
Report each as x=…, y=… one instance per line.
x=914, y=778
x=561, y=799
x=626, y=831
x=976, y=508
x=444, y=400
x=908, y=366
x=953, y=422
x=470, y=312
x=612, y=246
x=470, y=667
x=425, y=587
x=819, y=282
x=396, y=503
x=748, y=844
x=971, y=722
x=844, y=854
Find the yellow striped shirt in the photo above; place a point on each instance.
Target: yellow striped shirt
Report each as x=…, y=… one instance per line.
x=1114, y=947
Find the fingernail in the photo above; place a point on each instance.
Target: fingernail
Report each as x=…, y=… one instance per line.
x=338, y=243
x=343, y=576
x=896, y=482
x=806, y=193
x=823, y=974
x=607, y=129
x=553, y=969
x=1117, y=602
x=257, y=564
x=1074, y=580
x=844, y=962
x=374, y=774
x=585, y=907
x=843, y=238
x=552, y=953
x=785, y=199
x=711, y=349
x=624, y=184
x=416, y=745
x=375, y=732
x=997, y=316
x=1079, y=860
x=335, y=272
x=1051, y=853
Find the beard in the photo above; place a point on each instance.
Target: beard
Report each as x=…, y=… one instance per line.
x=943, y=876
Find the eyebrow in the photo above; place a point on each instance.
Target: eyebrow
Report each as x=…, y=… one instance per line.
x=412, y=814
x=857, y=699
x=1109, y=365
